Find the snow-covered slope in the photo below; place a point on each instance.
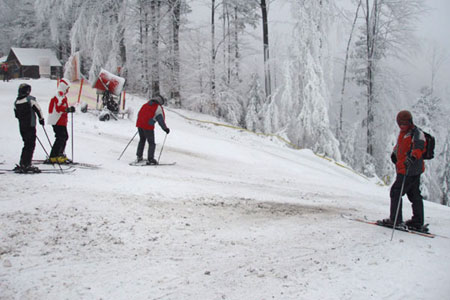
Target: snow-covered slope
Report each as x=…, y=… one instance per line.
x=239, y=216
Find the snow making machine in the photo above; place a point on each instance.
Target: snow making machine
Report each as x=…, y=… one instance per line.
x=109, y=90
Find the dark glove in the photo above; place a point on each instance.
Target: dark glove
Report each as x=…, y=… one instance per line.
x=393, y=158
x=42, y=122
x=70, y=109
x=167, y=130
x=409, y=161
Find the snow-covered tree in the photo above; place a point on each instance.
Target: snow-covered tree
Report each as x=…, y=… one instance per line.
x=253, y=110
x=432, y=116
x=309, y=125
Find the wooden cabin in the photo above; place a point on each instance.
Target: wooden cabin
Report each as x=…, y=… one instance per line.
x=33, y=63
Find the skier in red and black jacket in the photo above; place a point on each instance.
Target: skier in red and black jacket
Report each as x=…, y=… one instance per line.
x=407, y=157
x=150, y=113
x=26, y=109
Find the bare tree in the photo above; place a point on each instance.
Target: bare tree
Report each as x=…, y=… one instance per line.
x=387, y=26
x=344, y=77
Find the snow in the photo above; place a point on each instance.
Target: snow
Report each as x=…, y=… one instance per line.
x=240, y=216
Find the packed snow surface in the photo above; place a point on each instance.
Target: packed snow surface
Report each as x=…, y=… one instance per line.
x=240, y=216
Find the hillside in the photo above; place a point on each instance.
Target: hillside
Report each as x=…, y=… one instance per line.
x=239, y=216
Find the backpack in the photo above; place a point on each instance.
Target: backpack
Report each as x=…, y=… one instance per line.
x=429, y=148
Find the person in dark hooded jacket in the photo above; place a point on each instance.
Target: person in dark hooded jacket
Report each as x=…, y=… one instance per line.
x=150, y=113
x=26, y=109
x=407, y=157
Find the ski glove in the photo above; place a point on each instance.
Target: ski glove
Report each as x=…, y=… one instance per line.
x=409, y=161
x=42, y=122
x=167, y=130
x=393, y=158
x=70, y=109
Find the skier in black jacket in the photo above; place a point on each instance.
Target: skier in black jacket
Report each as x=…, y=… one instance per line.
x=26, y=109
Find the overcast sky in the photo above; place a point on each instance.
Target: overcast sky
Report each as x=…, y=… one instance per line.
x=436, y=23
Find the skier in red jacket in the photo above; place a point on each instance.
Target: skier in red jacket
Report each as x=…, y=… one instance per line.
x=57, y=110
x=407, y=157
x=150, y=113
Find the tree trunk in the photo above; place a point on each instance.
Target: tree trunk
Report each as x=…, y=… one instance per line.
x=155, y=11
x=344, y=78
x=267, y=79
x=371, y=19
x=213, y=54
x=236, y=45
x=175, y=6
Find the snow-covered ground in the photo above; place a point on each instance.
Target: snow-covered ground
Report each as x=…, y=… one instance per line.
x=239, y=216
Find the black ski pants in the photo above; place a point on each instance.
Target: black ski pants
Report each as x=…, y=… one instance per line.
x=28, y=134
x=412, y=190
x=146, y=136
x=61, y=137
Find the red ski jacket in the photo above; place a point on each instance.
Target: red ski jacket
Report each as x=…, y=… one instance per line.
x=412, y=143
x=57, y=112
x=150, y=113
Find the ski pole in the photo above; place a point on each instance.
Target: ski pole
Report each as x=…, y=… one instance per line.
x=127, y=145
x=48, y=139
x=46, y=153
x=71, y=121
x=399, y=203
x=162, y=147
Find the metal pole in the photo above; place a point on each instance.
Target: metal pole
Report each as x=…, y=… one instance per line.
x=72, y=134
x=48, y=139
x=399, y=203
x=162, y=147
x=127, y=145
x=46, y=153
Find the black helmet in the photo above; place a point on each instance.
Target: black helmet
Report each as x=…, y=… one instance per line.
x=24, y=90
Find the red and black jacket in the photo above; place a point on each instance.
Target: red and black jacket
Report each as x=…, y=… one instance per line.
x=150, y=113
x=410, y=143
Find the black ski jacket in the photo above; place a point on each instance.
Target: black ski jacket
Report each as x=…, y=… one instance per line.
x=26, y=110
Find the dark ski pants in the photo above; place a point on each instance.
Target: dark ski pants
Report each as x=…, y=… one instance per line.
x=412, y=190
x=61, y=137
x=146, y=136
x=28, y=134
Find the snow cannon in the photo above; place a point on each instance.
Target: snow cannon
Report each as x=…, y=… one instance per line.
x=107, y=81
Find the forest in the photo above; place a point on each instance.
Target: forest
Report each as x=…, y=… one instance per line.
x=327, y=75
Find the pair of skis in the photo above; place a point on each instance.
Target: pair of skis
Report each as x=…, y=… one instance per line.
x=65, y=170
x=144, y=164
x=72, y=164
x=400, y=228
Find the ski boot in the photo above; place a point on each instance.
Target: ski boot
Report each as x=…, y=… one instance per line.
x=51, y=161
x=390, y=223
x=62, y=159
x=152, y=161
x=18, y=169
x=32, y=169
x=26, y=169
x=412, y=225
